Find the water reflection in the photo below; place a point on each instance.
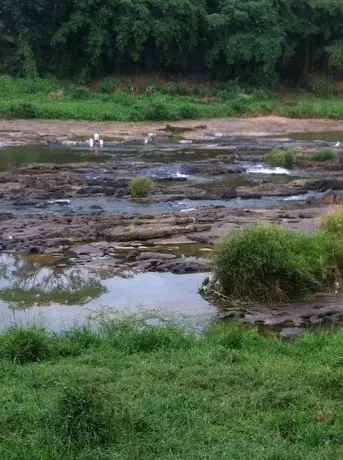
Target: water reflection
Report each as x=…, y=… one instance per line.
x=42, y=290
x=40, y=280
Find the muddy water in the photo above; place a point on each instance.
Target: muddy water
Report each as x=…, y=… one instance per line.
x=45, y=290
x=15, y=156
x=329, y=136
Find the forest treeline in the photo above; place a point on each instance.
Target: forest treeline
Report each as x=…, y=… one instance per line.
x=259, y=41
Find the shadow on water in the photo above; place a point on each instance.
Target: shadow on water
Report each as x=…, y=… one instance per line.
x=48, y=291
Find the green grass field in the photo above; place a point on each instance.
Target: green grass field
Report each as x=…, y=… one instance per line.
x=49, y=99
x=130, y=393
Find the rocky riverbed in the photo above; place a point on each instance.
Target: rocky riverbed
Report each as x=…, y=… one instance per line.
x=64, y=205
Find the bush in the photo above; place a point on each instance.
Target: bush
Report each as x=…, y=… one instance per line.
x=78, y=93
x=24, y=345
x=187, y=112
x=281, y=158
x=158, y=111
x=109, y=84
x=140, y=187
x=323, y=155
x=268, y=263
x=83, y=414
x=333, y=223
x=22, y=110
x=58, y=95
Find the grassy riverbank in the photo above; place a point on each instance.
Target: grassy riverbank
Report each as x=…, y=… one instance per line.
x=121, y=101
x=132, y=393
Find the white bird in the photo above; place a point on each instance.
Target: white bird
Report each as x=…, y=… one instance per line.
x=152, y=135
x=338, y=144
x=101, y=143
x=96, y=137
x=91, y=143
x=146, y=141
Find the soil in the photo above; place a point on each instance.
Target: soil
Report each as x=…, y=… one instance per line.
x=41, y=131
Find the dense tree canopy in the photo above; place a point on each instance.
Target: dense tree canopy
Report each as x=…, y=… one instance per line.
x=254, y=40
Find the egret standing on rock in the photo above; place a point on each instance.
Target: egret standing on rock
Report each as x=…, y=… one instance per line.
x=151, y=137
x=338, y=144
x=91, y=143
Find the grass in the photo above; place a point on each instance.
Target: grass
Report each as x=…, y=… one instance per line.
x=267, y=263
x=332, y=222
x=140, y=187
x=227, y=394
x=324, y=154
x=281, y=158
x=116, y=100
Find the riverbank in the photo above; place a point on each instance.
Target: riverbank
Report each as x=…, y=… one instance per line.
x=50, y=99
x=43, y=131
x=132, y=393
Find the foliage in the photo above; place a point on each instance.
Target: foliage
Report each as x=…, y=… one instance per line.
x=282, y=158
x=24, y=345
x=268, y=263
x=199, y=401
x=140, y=187
x=52, y=99
x=324, y=154
x=332, y=222
x=250, y=40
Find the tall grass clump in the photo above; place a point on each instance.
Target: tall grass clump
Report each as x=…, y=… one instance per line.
x=281, y=158
x=83, y=414
x=332, y=222
x=268, y=263
x=325, y=154
x=22, y=345
x=140, y=187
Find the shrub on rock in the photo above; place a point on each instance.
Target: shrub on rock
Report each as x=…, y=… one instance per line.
x=267, y=263
x=140, y=187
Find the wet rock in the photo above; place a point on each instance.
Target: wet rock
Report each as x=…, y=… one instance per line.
x=289, y=333
x=185, y=265
x=329, y=198
x=96, y=207
x=26, y=202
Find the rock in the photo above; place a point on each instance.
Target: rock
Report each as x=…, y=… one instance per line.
x=151, y=232
x=185, y=265
x=329, y=197
x=155, y=256
x=96, y=207
x=289, y=333
x=26, y=202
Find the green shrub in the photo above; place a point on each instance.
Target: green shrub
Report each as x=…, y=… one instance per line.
x=325, y=154
x=22, y=110
x=187, y=112
x=83, y=415
x=22, y=345
x=332, y=222
x=158, y=111
x=281, y=158
x=107, y=85
x=175, y=89
x=124, y=98
x=140, y=187
x=268, y=263
x=78, y=93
